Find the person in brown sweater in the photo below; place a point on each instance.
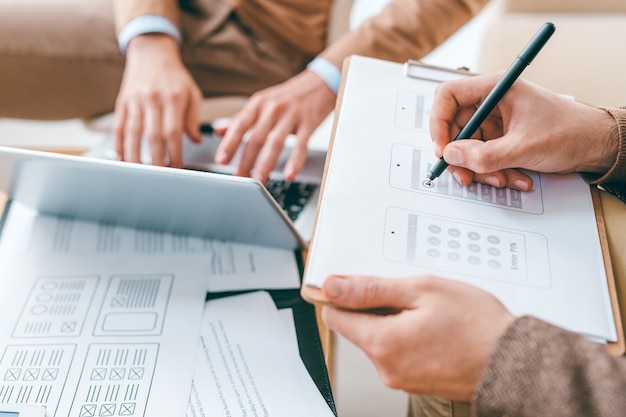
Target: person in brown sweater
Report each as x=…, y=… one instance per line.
x=456, y=341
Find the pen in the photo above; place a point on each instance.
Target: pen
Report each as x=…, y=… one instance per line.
x=206, y=128
x=521, y=62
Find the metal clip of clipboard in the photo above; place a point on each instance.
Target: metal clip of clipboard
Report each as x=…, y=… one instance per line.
x=419, y=70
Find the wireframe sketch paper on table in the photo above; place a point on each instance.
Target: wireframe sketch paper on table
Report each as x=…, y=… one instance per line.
x=102, y=318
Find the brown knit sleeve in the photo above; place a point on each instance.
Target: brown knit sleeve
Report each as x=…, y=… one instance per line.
x=537, y=369
x=614, y=181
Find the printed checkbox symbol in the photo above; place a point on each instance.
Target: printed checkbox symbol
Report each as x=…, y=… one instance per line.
x=127, y=409
x=50, y=374
x=98, y=374
x=107, y=410
x=135, y=373
x=88, y=410
x=13, y=374
x=31, y=374
x=68, y=327
x=118, y=302
x=117, y=374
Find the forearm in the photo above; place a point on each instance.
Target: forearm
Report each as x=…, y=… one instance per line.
x=404, y=29
x=540, y=370
x=158, y=48
x=134, y=18
x=127, y=10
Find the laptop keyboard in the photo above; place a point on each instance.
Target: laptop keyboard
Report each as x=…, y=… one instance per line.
x=291, y=195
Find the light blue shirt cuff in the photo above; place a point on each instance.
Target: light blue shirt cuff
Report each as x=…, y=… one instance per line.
x=327, y=72
x=148, y=23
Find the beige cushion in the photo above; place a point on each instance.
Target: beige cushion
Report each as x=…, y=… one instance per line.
x=218, y=107
x=583, y=58
x=565, y=6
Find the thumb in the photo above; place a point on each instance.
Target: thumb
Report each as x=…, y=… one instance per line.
x=365, y=293
x=478, y=156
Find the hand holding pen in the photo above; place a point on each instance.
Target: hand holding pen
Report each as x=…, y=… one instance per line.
x=490, y=102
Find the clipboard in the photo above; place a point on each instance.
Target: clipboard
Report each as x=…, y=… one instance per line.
x=411, y=68
x=617, y=348
x=415, y=69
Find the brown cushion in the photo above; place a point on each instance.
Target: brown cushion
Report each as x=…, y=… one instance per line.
x=564, y=6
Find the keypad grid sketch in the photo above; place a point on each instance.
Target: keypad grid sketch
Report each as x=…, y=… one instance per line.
x=466, y=248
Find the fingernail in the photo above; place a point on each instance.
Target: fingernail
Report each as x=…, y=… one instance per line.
x=454, y=157
x=289, y=172
x=492, y=181
x=221, y=157
x=522, y=184
x=335, y=287
x=255, y=174
x=457, y=177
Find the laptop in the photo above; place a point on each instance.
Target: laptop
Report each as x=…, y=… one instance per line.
x=298, y=198
x=203, y=204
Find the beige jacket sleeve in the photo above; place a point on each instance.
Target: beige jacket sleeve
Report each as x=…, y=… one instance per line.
x=295, y=26
x=127, y=10
x=404, y=29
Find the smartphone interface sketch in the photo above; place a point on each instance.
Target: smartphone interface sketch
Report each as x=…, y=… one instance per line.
x=413, y=110
x=409, y=166
x=466, y=248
